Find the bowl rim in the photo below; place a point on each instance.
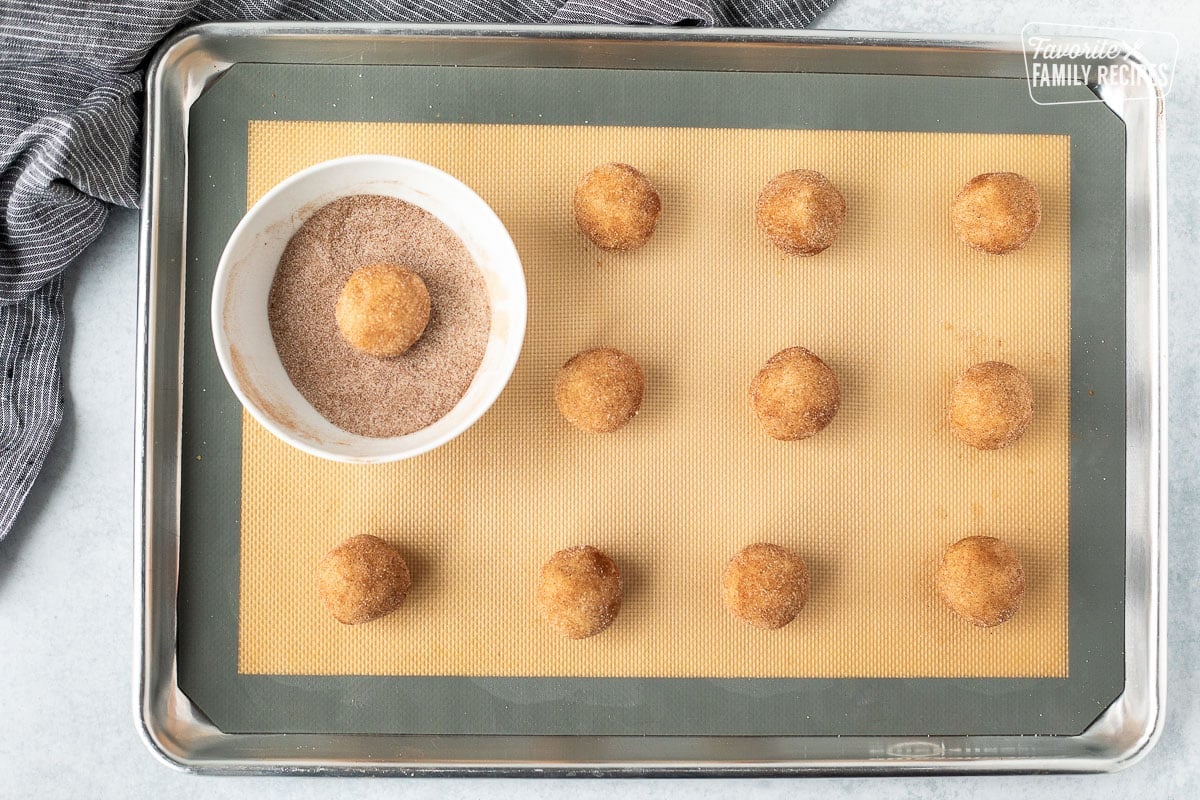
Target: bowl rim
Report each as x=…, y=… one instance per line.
x=511, y=352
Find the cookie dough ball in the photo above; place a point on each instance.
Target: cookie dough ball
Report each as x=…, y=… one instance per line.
x=795, y=395
x=991, y=405
x=579, y=592
x=362, y=579
x=383, y=309
x=981, y=579
x=801, y=212
x=997, y=212
x=617, y=207
x=599, y=390
x=766, y=585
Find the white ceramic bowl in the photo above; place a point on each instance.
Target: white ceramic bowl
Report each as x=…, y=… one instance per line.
x=242, y=333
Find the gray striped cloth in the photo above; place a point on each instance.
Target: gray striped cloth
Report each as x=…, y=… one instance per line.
x=70, y=103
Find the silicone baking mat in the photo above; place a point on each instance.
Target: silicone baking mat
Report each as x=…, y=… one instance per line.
x=898, y=307
x=256, y=653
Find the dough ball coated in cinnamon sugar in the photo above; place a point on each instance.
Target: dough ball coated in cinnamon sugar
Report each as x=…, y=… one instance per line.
x=617, y=207
x=599, y=390
x=997, y=212
x=579, y=591
x=981, y=579
x=766, y=585
x=795, y=395
x=991, y=405
x=362, y=579
x=801, y=212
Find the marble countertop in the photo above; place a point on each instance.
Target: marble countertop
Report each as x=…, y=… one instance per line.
x=66, y=718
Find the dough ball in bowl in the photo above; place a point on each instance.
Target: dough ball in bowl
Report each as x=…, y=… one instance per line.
x=383, y=309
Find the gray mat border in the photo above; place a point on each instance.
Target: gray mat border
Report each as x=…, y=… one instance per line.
x=208, y=587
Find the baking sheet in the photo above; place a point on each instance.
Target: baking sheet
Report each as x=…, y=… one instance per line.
x=898, y=307
x=209, y=574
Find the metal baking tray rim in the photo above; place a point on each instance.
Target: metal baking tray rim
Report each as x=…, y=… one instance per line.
x=175, y=731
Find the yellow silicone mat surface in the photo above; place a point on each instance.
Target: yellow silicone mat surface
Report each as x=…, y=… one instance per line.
x=898, y=307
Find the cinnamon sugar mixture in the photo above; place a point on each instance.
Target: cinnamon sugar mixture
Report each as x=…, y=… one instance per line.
x=357, y=392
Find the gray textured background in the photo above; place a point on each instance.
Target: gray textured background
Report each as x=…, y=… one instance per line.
x=66, y=726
